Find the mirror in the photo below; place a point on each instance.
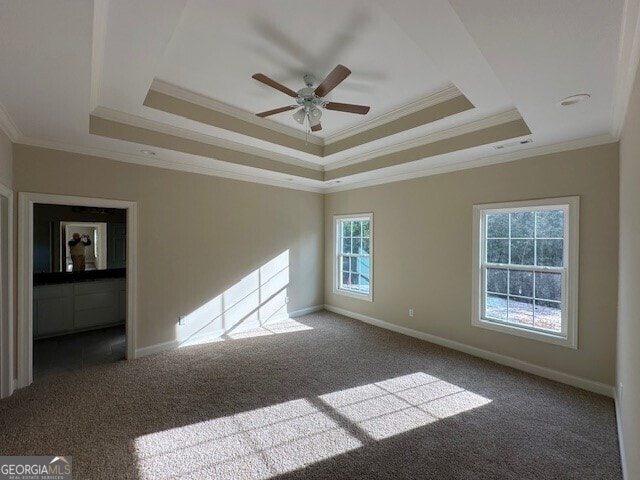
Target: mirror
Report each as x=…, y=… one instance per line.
x=91, y=241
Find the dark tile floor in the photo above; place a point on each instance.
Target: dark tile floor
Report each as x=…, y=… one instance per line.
x=77, y=351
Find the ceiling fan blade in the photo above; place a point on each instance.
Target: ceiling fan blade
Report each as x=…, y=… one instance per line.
x=315, y=128
x=336, y=76
x=276, y=110
x=347, y=107
x=273, y=84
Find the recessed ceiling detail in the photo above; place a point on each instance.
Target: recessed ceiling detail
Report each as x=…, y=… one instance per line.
x=173, y=99
x=228, y=118
x=508, y=130
x=151, y=133
x=174, y=77
x=134, y=129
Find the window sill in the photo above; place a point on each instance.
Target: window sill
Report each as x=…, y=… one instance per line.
x=555, y=339
x=367, y=297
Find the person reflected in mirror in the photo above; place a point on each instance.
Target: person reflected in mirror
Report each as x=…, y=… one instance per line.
x=76, y=249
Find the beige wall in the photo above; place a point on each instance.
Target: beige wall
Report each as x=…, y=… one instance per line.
x=6, y=161
x=629, y=281
x=423, y=238
x=6, y=179
x=198, y=235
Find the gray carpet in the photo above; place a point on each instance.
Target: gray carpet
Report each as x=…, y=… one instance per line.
x=328, y=397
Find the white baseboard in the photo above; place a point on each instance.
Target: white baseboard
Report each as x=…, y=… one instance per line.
x=561, y=377
x=13, y=382
x=306, y=311
x=623, y=460
x=157, y=348
x=210, y=336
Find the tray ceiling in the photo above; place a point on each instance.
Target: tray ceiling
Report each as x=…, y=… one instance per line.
x=446, y=81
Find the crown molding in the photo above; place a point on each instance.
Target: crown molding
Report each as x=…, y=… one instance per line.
x=481, y=162
x=567, y=146
x=492, y=121
x=8, y=126
x=159, y=162
x=627, y=67
x=440, y=96
x=180, y=93
x=136, y=121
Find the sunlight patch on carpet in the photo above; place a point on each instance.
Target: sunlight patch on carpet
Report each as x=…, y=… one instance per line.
x=276, y=327
x=284, y=326
x=394, y=406
x=270, y=441
x=255, y=444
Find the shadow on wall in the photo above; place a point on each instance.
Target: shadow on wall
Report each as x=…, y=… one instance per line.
x=254, y=306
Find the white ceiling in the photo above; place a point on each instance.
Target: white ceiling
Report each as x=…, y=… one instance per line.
x=60, y=59
x=217, y=46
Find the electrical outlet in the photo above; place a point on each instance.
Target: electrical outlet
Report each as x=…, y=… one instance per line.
x=182, y=320
x=411, y=312
x=286, y=299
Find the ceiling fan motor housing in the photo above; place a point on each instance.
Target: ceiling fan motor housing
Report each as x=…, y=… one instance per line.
x=306, y=98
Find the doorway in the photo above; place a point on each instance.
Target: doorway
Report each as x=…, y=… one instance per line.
x=79, y=301
x=89, y=314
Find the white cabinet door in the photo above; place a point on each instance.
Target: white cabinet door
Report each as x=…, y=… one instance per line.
x=95, y=303
x=53, y=309
x=66, y=308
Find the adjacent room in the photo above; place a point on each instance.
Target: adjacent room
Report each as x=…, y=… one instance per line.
x=339, y=239
x=78, y=319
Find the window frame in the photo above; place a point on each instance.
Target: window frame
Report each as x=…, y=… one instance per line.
x=568, y=337
x=337, y=236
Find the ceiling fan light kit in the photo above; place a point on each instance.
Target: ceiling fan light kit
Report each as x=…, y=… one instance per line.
x=314, y=115
x=310, y=100
x=299, y=116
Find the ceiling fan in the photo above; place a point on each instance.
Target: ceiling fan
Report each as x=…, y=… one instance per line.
x=310, y=100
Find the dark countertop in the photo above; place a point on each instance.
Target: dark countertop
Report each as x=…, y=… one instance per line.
x=69, y=277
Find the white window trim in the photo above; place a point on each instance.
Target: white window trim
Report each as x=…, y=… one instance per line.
x=569, y=336
x=336, y=257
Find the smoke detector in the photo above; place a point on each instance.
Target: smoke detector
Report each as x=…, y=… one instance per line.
x=573, y=99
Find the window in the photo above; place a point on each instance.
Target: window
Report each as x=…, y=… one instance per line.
x=526, y=269
x=354, y=255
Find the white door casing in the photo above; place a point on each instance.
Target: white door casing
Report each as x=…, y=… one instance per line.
x=26, y=201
